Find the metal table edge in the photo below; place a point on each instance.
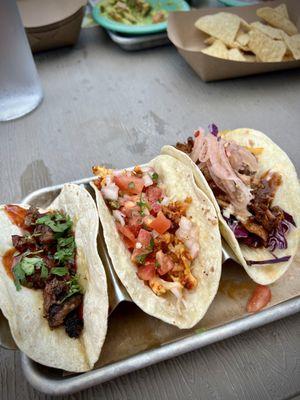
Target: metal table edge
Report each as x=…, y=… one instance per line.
x=86, y=380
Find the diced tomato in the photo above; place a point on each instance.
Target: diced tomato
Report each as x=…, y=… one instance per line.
x=155, y=208
x=144, y=238
x=135, y=223
x=153, y=193
x=259, y=299
x=160, y=224
x=165, y=263
x=129, y=184
x=147, y=271
x=126, y=232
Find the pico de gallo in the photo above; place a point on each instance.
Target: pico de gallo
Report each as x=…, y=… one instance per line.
x=162, y=240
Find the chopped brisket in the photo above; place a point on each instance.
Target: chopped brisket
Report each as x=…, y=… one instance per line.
x=73, y=324
x=186, y=147
x=58, y=312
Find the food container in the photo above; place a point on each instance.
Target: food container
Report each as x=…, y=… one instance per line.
x=53, y=23
x=189, y=42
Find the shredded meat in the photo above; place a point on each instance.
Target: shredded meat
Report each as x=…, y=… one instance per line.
x=54, y=309
x=257, y=229
x=58, y=312
x=73, y=324
x=23, y=243
x=31, y=216
x=260, y=206
x=186, y=147
x=44, y=234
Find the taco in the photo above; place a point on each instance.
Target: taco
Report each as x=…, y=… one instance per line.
x=162, y=235
x=255, y=190
x=52, y=282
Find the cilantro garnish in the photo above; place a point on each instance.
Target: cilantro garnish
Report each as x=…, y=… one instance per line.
x=154, y=176
x=65, y=249
x=141, y=258
x=60, y=271
x=157, y=264
x=131, y=185
x=74, y=287
x=58, y=222
x=151, y=244
x=143, y=205
x=115, y=205
x=26, y=267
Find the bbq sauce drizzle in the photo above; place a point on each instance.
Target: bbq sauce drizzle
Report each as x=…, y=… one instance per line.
x=44, y=257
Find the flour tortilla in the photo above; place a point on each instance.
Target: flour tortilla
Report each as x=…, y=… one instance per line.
x=178, y=182
x=287, y=197
x=24, y=309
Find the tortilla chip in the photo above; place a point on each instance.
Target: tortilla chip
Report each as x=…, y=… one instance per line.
x=266, y=49
x=235, y=55
x=223, y=26
x=217, y=49
x=242, y=38
x=274, y=18
x=282, y=10
x=273, y=33
x=250, y=58
x=245, y=25
x=209, y=41
x=293, y=44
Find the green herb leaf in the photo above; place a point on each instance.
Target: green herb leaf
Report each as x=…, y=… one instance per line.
x=44, y=272
x=60, y=271
x=155, y=176
x=19, y=275
x=26, y=267
x=56, y=221
x=131, y=185
x=65, y=249
x=157, y=264
x=74, y=288
x=114, y=204
x=141, y=258
x=151, y=244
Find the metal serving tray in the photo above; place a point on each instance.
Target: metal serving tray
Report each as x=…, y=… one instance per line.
x=141, y=42
x=136, y=340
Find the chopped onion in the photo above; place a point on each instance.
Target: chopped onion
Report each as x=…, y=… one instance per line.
x=110, y=192
x=147, y=169
x=118, y=216
x=165, y=201
x=188, y=233
x=147, y=180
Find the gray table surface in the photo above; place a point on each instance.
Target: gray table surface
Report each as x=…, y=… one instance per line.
x=103, y=105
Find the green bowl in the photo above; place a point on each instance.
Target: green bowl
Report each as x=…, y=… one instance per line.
x=167, y=5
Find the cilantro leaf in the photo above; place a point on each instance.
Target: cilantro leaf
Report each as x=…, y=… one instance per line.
x=44, y=272
x=58, y=222
x=26, y=267
x=60, y=271
x=65, y=249
x=74, y=288
x=155, y=176
x=151, y=246
x=19, y=275
x=141, y=258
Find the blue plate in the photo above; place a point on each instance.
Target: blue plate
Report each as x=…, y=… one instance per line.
x=167, y=5
x=238, y=3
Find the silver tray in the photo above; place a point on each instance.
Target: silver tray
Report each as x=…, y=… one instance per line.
x=141, y=42
x=57, y=382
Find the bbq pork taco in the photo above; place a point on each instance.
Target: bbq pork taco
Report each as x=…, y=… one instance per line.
x=163, y=238
x=254, y=187
x=52, y=282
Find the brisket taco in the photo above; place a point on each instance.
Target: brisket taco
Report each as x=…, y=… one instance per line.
x=52, y=282
x=162, y=235
x=254, y=187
